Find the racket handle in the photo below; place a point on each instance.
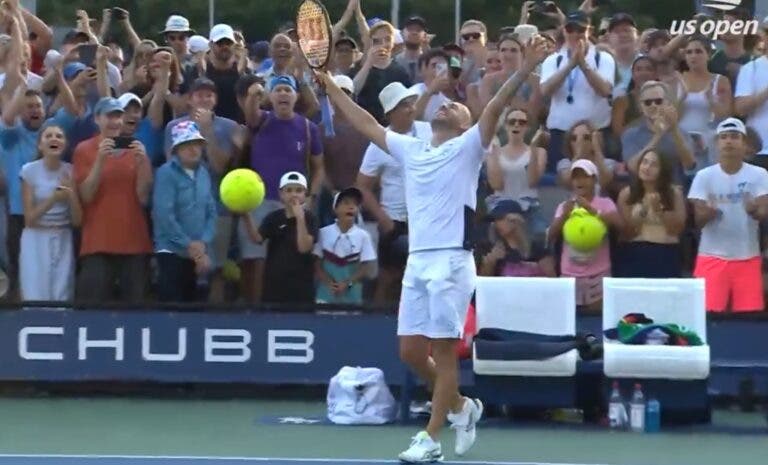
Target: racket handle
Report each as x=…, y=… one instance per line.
x=325, y=111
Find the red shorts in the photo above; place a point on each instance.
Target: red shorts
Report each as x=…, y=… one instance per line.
x=737, y=281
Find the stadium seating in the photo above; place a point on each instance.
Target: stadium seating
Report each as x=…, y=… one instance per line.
x=679, y=301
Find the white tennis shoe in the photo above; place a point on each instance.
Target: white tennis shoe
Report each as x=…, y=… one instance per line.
x=465, y=423
x=423, y=449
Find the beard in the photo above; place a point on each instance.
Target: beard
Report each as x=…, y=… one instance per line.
x=413, y=46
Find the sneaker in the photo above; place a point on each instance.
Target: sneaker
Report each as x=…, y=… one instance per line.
x=464, y=423
x=423, y=449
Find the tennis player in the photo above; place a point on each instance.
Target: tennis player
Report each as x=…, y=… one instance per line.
x=441, y=180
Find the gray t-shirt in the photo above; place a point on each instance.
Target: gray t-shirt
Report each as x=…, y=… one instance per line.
x=44, y=183
x=637, y=136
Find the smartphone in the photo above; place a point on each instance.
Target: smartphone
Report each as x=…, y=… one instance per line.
x=123, y=142
x=87, y=54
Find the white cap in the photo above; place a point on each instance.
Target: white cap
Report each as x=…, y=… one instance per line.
x=127, y=98
x=345, y=82
x=393, y=94
x=222, y=31
x=585, y=165
x=398, y=37
x=293, y=177
x=176, y=23
x=731, y=125
x=52, y=58
x=198, y=44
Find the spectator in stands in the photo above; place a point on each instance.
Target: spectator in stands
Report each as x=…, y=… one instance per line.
x=18, y=56
x=728, y=60
x=622, y=37
x=730, y=200
x=184, y=216
x=658, y=130
x=474, y=37
x=589, y=268
x=626, y=106
x=281, y=141
x=707, y=99
x=114, y=183
x=176, y=35
x=414, y=39
x=389, y=210
x=343, y=156
x=579, y=80
x=654, y=213
x=583, y=141
x=439, y=83
x=511, y=252
x=377, y=70
x=291, y=233
x=752, y=100
x=344, y=51
x=344, y=252
x=51, y=210
x=511, y=50
x=514, y=170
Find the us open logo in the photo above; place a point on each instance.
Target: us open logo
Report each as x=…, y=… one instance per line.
x=716, y=28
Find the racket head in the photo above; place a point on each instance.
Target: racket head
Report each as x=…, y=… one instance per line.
x=313, y=27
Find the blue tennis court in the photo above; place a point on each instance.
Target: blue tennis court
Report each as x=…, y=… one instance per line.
x=149, y=460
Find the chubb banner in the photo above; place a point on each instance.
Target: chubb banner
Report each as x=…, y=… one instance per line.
x=191, y=347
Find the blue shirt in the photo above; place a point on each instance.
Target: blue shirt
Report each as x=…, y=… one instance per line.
x=183, y=209
x=152, y=138
x=77, y=129
x=19, y=147
x=223, y=128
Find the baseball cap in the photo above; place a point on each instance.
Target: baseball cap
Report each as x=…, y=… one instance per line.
x=283, y=80
x=177, y=23
x=221, y=32
x=731, y=125
x=71, y=70
x=202, y=83
x=350, y=192
x=578, y=17
x=185, y=131
x=346, y=40
x=586, y=166
x=416, y=20
x=108, y=105
x=504, y=208
x=293, y=177
x=198, y=44
x=621, y=18
x=128, y=98
x=345, y=83
x=393, y=94
x=73, y=36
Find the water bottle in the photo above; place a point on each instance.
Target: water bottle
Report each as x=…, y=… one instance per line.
x=637, y=410
x=616, y=412
x=652, y=416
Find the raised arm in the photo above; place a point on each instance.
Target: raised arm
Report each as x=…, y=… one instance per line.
x=535, y=54
x=360, y=119
x=349, y=12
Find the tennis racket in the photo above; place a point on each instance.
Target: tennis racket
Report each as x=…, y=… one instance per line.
x=313, y=26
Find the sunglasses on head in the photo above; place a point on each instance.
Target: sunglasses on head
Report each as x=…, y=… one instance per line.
x=586, y=137
x=653, y=101
x=516, y=121
x=472, y=36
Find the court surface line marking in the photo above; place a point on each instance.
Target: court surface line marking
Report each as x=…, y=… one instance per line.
x=252, y=459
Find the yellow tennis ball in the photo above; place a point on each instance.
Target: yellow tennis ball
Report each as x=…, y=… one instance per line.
x=231, y=271
x=583, y=231
x=242, y=190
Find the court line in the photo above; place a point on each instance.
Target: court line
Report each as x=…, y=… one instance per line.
x=190, y=458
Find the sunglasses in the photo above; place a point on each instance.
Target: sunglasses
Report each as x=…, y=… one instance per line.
x=571, y=28
x=584, y=137
x=653, y=101
x=175, y=37
x=515, y=121
x=472, y=36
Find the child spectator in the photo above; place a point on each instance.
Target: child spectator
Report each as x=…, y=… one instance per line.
x=51, y=209
x=589, y=269
x=730, y=199
x=511, y=252
x=291, y=232
x=345, y=253
x=184, y=216
x=583, y=141
x=654, y=212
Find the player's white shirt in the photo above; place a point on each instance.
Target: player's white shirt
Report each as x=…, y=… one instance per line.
x=441, y=187
x=379, y=164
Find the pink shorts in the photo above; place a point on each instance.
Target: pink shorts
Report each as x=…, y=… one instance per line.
x=737, y=281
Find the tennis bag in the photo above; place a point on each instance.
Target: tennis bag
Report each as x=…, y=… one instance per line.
x=360, y=396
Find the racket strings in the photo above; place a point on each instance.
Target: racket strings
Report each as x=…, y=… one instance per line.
x=312, y=29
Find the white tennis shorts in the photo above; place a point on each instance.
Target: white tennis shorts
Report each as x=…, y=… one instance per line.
x=437, y=289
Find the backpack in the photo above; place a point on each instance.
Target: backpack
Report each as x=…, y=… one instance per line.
x=360, y=396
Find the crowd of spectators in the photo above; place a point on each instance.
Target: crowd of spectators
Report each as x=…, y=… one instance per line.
x=113, y=153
